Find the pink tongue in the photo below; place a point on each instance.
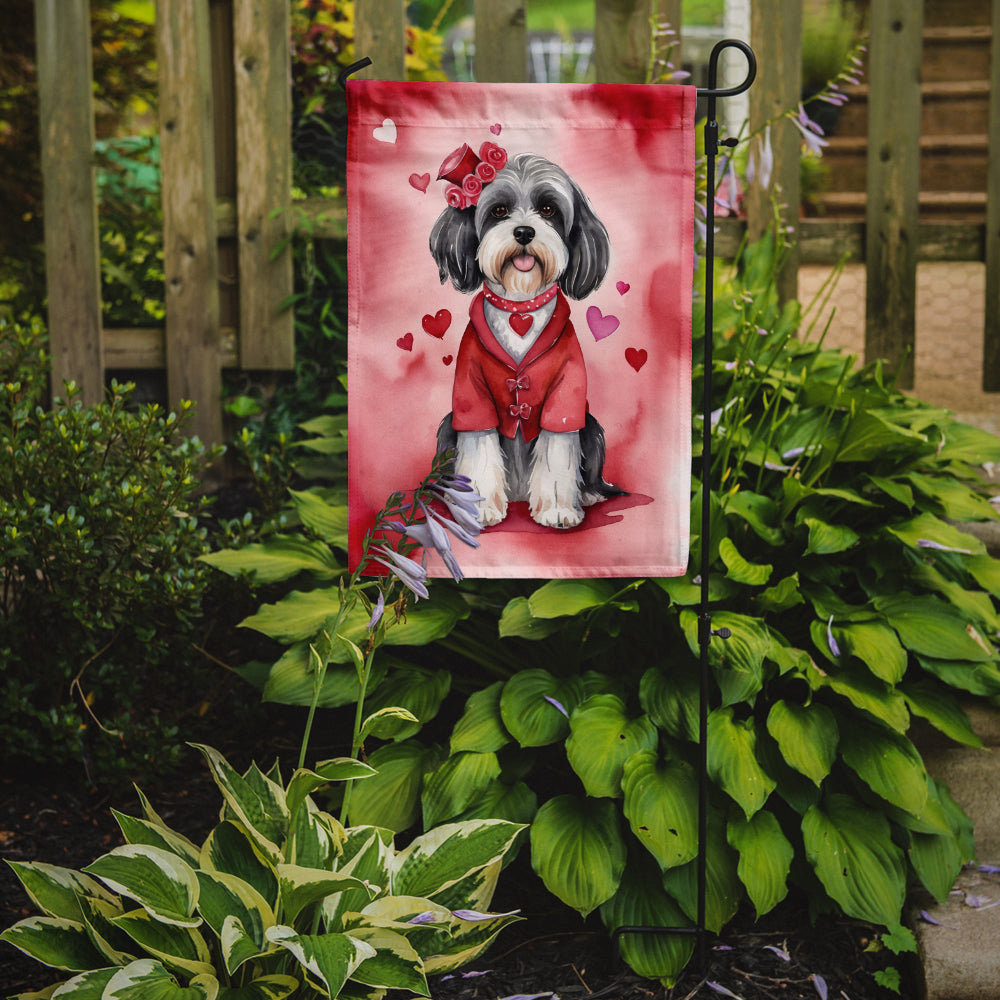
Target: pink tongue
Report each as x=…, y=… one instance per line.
x=525, y=262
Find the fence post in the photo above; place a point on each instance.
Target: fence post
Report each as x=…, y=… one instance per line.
x=72, y=255
x=776, y=34
x=190, y=251
x=262, y=61
x=380, y=34
x=501, y=41
x=991, y=333
x=621, y=40
x=892, y=213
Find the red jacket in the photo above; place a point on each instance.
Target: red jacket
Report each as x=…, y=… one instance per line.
x=546, y=391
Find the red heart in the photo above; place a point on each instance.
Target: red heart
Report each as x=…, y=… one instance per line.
x=406, y=343
x=447, y=359
x=420, y=181
x=437, y=324
x=495, y=129
x=623, y=287
x=520, y=323
x=636, y=358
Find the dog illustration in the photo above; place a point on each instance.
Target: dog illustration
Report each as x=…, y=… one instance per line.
x=522, y=234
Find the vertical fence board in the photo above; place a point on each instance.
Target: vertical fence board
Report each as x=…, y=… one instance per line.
x=262, y=61
x=501, y=41
x=190, y=254
x=72, y=257
x=893, y=183
x=776, y=35
x=991, y=333
x=621, y=40
x=380, y=34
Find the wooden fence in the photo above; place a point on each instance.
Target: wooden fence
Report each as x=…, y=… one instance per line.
x=226, y=161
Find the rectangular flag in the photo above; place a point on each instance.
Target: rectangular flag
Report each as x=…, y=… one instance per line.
x=520, y=262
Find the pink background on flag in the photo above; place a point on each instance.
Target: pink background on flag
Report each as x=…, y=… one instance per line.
x=631, y=150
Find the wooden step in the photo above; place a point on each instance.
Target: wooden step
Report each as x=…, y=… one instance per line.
x=958, y=206
x=956, y=53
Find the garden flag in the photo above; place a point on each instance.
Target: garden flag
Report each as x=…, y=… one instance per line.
x=520, y=262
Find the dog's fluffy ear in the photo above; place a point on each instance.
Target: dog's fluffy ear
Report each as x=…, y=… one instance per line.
x=453, y=245
x=589, y=250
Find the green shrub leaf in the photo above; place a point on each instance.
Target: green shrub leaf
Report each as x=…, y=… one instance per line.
x=279, y=558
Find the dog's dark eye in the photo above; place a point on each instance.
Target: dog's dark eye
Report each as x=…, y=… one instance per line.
x=546, y=211
x=499, y=211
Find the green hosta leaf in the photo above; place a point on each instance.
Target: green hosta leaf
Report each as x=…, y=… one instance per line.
x=641, y=901
x=893, y=488
x=888, y=763
x=758, y=511
x=559, y=598
x=54, y=941
x=941, y=709
x=415, y=689
x=391, y=798
x=386, y=723
x=56, y=891
x=160, y=882
x=395, y=964
x=866, y=692
x=975, y=605
x=957, y=501
x=732, y=760
x=738, y=661
x=141, y=831
x=456, y=784
x=976, y=678
x=986, y=572
x=783, y=595
x=928, y=528
x=671, y=700
x=275, y=987
x=438, y=859
x=230, y=849
x=516, y=803
x=751, y=574
x=517, y=620
x=330, y=959
x=937, y=860
x=327, y=520
x=965, y=443
x=661, y=798
x=850, y=848
x=682, y=591
x=180, y=948
x=301, y=887
x=292, y=680
x=578, y=851
x=807, y=736
x=147, y=979
x=528, y=710
x=481, y=728
x=765, y=858
x=931, y=628
x=279, y=558
x=870, y=436
x=828, y=539
x=602, y=738
x=876, y=646
x=723, y=889
x=226, y=898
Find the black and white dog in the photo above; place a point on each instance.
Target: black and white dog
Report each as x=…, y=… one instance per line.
x=525, y=237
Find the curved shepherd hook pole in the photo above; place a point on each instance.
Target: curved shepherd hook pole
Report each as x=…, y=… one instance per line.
x=350, y=70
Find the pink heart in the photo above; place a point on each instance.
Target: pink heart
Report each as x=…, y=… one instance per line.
x=622, y=286
x=520, y=323
x=420, y=182
x=447, y=359
x=495, y=129
x=405, y=343
x=437, y=324
x=636, y=358
x=601, y=326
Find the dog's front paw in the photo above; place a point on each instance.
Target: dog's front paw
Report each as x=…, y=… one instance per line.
x=554, y=515
x=492, y=510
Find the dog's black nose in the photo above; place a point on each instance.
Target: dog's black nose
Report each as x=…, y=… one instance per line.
x=524, y=235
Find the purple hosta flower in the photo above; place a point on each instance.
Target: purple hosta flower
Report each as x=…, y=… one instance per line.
x=558, y=705
x=531, y=996
x=465, y=975
x=377, y=612
x=927, y=543
x=820, y=984
x=780, y=952
x=990, y=869
x=719, y=988
x=834, y=648
x=475, y=915
x=812, y=134
x=927, y=918
x=457, y=495
x=760, y=165
x=427, y=917
x=729, y=201
x=411, y=574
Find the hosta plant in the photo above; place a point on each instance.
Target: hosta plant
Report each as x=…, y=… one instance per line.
x=279, y=900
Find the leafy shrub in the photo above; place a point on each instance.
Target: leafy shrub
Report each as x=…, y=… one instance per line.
x=99, y=539
x=279, y=899
x=854, y=602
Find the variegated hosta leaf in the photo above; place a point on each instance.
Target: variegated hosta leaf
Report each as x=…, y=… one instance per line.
x=301, y=887
x=391, y=799
x=481, y=727
x=367, y=853
x=850, y=847
x=177, y=947
x=54, y=941
x=304, y=782
x=315, y=838
x=147, y=979
x=535, y=706
x=765, y=858
x=256, y=801
x=329, y=959
x=395, y=964
x=732, y=760
x=159, y=881
x=56, y=891
x=578, y=851
x=141, y=831
x=888, y=763
x=86, y=986
x=274, y=987
x=456, y=784
x=116, y=947
x=467, y=940
x=807, y=736
x=225, y=897
x=441, y=857
x=661, y=805
x=230, y=849
x=642, y=902
x=602, y=737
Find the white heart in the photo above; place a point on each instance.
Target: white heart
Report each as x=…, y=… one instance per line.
x=386, y=132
